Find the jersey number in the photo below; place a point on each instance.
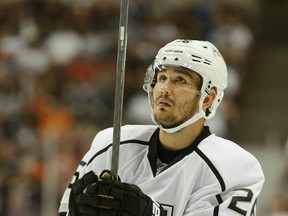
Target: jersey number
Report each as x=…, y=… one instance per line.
x=237, y=199
x=168, y=209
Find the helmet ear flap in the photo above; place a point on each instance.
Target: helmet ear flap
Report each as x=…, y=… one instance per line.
x=210, y=112
x=209, y=100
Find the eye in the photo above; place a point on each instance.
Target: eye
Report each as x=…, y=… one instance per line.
x=161, y=78
x=180, y=80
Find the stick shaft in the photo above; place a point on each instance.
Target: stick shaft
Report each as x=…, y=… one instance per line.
x=119, y=90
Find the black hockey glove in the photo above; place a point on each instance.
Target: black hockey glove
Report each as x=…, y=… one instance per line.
x=112, y=198
x=77, y=188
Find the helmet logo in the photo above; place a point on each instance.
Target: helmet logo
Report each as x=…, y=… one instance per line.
x=173, y=51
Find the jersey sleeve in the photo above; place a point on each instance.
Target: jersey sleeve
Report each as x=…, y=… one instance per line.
x=96, y=152
x=234, y=201
x=240, y=196
x=235, y=183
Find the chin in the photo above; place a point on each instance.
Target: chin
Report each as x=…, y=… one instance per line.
x=166, y=120
x=168, y=125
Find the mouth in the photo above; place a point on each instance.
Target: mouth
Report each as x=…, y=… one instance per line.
x=162, y=102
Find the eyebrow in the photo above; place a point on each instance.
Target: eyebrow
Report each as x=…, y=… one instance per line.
x=185, y=72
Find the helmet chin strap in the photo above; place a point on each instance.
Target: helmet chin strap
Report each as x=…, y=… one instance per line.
x=200, y=114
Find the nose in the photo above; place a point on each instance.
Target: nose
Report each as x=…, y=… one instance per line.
x=166, y=88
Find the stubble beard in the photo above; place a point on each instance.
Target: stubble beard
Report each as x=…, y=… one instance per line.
x=171, y=119
x=166, y=120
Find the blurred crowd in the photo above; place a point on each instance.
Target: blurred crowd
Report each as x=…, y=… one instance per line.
x=57, y=74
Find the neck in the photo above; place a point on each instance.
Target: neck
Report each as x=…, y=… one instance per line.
x=182, y=138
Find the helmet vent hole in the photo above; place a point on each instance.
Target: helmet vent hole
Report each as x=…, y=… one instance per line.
x=205, y=47
x=196, y=60
x=164, y=58
x=196, y=56
x=176, y=59
x=207, y=62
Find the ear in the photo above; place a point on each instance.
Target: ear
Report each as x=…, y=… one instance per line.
x=209, y=99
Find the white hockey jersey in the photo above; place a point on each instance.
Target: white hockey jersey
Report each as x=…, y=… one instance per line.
x=212, y=177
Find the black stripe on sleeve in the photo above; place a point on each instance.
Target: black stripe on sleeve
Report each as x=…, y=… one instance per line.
x=213, y=168
x=216, y=211
x=121, y=143
x=216, y=208
x=219, y=199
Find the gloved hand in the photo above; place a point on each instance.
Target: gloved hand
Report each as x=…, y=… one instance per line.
x=114, y=198
x=77, y=188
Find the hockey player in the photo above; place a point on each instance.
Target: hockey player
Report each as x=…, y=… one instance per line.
x=176, y=167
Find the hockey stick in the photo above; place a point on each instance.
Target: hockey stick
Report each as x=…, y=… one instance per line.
x=120, y=76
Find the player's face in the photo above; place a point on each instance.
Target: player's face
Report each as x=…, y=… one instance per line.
x=176, y=96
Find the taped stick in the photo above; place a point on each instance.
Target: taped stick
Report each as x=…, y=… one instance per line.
x=119, y=90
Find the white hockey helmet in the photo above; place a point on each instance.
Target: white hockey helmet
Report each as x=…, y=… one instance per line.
x=201, y=57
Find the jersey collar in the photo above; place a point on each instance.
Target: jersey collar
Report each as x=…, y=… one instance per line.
x=156, y=150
